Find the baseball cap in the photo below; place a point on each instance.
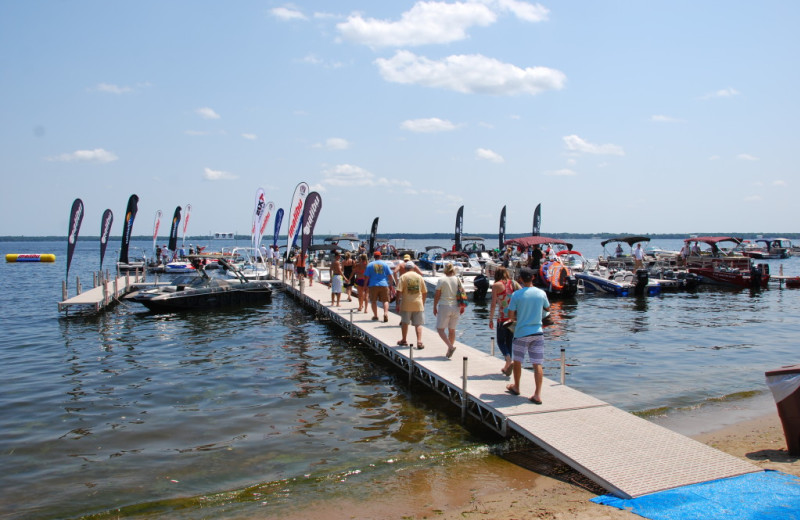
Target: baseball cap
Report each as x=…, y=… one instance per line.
x=407, y=258
x=376, y=253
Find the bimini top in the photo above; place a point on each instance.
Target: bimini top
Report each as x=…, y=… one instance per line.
x=535, y=241
x=630, y=240
x=713, y=240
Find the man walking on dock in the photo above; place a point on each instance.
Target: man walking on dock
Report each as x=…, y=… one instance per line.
x=412, y=291
x=526, y=308
x=378, y=277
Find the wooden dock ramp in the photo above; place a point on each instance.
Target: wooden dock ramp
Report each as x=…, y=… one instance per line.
x=624, y=454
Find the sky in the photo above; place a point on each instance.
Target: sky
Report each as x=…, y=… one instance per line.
x=616, y=116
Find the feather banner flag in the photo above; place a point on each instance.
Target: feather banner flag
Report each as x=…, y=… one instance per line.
x=156, y=224
x=75, y=219
x=127, y=229
x=459, y=229
x=311, y=211
x=278, y=222
x=186, y=223
x=373, y=235
x=259, y=211
x=105, y=231
x=502, y=233
x=537, y=220
x=296, y=214
x=172, y=245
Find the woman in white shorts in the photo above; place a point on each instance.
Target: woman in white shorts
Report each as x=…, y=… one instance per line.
x=446, y=307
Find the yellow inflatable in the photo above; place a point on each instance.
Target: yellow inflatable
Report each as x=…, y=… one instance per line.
x=30, y=258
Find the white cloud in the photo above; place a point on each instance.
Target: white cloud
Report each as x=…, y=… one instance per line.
x=428, y=125
x=563, y=172
x=218, y=175
x=97, y=155
x=489, y=155
x=576, y=144
x=250, y=137
x=207, y=113
x=425, y=23
x=351, y=175
x=722, y=93
x=287, y=13
x=474, y=74
x=665, y=119
x=112, y=89
x=522, y=10
x=746, y=157
x=334, y=143
x=779, y=183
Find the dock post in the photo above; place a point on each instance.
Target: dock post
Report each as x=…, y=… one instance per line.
x=351, y=323
x=492, y=350
x=563, y=366
x=105, y=292
x=464, y=391
x=94, y=280
x=116, y=286
x=78, y=284
x=63, y=290
x=410, y=364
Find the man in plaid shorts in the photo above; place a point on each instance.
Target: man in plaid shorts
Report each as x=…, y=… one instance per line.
x=526, y=307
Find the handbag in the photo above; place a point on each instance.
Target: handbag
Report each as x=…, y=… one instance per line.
x=461, y=296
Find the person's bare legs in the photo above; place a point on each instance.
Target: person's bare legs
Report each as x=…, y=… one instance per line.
x=517, y=376
x=418, y=329
x=538, y=378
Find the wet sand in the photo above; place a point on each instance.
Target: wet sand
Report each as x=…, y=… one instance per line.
x=530, y=484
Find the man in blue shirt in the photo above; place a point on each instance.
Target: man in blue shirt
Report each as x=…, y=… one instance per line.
x=379, y=275
x=526, y=308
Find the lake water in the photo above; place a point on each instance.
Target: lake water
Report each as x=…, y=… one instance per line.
x=241, y=413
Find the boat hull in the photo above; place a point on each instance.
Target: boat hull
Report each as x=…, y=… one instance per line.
x=757, y=277
x=200, y=300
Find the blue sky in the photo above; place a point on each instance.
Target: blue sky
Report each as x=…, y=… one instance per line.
x=616, y=116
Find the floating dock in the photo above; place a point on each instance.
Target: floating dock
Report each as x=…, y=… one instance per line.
x=102, y=295
x=627, y=455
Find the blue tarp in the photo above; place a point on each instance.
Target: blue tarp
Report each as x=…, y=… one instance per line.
x=762, y=495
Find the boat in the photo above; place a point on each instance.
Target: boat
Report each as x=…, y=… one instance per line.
x=200, y=291
x=721, y=265
x=554, y=277
x=620, y=283
x=772, y=249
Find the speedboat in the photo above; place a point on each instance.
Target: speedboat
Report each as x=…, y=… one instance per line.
x=201, y=291
x=620, y=283
x=554, y=277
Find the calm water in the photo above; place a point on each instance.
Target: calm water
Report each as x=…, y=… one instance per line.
x=226, y=413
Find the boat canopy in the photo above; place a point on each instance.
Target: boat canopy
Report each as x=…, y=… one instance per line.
x=324, y=247
x=352, y=237
x=630, y=240
x=713, y=240
x=470, y=238
x=535, y=241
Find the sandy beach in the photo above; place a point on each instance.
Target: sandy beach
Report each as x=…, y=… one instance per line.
x=532, y=485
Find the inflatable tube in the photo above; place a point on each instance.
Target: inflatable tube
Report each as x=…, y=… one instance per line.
x=30, y=257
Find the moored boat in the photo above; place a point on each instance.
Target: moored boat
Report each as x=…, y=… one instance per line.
x=554, y=277
x=721, y=265
x=200, y=291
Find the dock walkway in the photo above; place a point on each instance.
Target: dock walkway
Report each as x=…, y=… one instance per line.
x=624, y=454
x=101, y=296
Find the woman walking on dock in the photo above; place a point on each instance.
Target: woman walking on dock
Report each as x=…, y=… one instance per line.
x=502, y=289
x=446, y=307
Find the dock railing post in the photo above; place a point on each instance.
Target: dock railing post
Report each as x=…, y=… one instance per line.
x=63, y=290
x=563, y=366
x=78, y=284
x=492, y=349
x=464, y=391
x=410, y=364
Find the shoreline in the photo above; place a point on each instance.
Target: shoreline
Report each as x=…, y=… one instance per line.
x=531, y=484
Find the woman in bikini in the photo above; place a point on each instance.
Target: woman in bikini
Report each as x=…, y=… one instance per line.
x=501, y=293
x=358, y=273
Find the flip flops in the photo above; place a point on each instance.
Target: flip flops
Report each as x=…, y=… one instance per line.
x=535, y=401
x=402, y=343
x=450, y=351
x=507, y=372
x=420, y=346
x=510, y=390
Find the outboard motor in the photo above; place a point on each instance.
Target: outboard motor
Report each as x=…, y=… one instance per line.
x=757, y=275
x=642, y=279
x=481, y=287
